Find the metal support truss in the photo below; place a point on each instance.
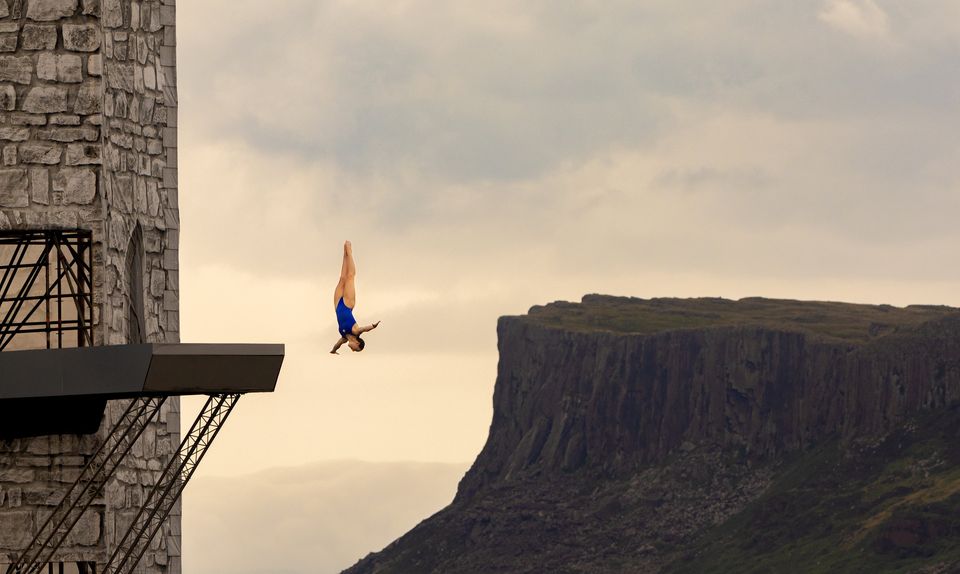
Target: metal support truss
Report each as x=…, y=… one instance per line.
x=170, y=485
x=88, y=485
x=46, y=286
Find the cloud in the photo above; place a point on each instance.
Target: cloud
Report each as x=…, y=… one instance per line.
x=872, y=190
x=860, y=18
x=363, y=116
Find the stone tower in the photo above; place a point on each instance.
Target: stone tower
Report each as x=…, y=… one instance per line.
x=88, y=130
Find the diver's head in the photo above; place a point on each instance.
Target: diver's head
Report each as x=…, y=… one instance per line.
x=356, y=344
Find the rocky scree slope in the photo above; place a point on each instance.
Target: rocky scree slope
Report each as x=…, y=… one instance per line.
x=628, y=434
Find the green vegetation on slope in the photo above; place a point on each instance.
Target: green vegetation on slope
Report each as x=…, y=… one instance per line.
x=888, y=507
x=847, y=322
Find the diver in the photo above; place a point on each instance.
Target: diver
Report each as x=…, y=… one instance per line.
x=344, y=301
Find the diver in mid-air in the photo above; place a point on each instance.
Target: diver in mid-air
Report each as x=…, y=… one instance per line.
x=344, y=300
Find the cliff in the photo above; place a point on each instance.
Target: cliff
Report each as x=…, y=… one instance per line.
x=626, y=430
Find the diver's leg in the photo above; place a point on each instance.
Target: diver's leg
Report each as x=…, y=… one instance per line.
x=337, y=294
x=344, y=272
x=348, y=276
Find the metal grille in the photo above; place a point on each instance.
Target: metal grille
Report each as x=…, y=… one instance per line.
x=46, y=289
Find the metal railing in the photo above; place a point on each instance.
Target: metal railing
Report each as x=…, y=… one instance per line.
x=46, y=288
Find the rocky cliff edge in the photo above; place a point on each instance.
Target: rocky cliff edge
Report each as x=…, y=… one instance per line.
x=625, y=429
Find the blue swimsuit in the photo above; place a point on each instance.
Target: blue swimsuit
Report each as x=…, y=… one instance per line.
x=345, y=318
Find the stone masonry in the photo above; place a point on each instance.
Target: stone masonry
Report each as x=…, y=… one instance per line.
x=88, y=139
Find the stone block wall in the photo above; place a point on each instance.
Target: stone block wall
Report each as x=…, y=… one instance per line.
x=50, y=104
x=140, y=147
x=88, y=140
x=34, y=474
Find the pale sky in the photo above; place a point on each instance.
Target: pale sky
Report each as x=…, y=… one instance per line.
x=484, y=157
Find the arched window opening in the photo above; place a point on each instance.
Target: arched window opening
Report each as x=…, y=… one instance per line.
x=134, y=291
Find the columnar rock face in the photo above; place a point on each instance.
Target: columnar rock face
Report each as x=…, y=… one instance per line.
x=88, y=135
x=616, y=402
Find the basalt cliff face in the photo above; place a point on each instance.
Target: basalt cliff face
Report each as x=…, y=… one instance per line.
x=681, y=435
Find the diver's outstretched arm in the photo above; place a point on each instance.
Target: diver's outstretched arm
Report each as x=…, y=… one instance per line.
x=368, y=327
x=339, y=344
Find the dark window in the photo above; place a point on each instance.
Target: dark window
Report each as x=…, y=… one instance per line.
x=134, y=295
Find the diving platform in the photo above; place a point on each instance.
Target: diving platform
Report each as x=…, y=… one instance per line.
x=65, y=391
x=127, y=371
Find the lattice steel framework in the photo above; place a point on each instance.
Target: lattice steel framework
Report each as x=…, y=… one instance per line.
x=46, y=288
x=170, y=485
x=35, y=559
x=87, y=486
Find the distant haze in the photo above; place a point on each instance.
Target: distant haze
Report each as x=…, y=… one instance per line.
x=314, y=519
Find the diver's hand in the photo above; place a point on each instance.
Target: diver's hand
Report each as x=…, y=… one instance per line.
x=334, y=352
x=374, y=326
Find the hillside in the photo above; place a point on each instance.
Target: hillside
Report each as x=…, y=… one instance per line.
x=673, y=435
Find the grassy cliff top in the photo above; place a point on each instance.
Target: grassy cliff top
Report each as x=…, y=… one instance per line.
x=839, y=321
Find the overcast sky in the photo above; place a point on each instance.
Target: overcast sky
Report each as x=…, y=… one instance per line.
x=484, y=157
x=487, y=156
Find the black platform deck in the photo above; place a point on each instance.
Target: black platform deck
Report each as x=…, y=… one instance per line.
x=59, y=391
x=131, y=370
